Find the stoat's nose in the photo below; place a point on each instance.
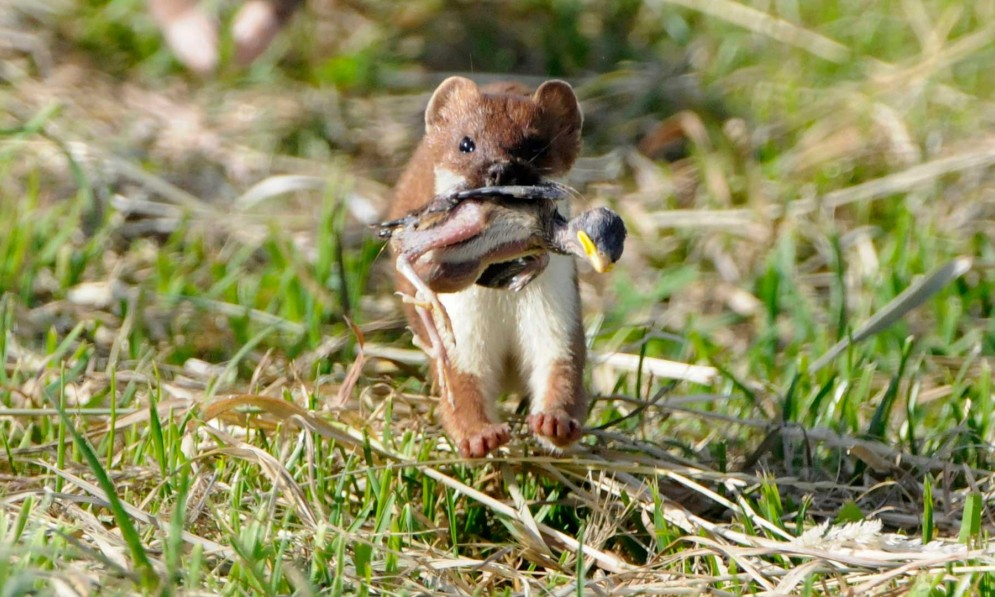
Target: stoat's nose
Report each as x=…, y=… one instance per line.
x=510, y=173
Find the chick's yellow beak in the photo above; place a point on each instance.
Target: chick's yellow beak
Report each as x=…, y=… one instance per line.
x=598, y=261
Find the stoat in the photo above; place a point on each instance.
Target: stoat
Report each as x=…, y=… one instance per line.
x=531, y=340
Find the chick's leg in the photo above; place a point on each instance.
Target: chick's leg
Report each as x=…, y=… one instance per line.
x=434, y=323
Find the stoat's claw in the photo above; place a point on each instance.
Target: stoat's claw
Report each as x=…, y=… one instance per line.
x=556, y=427
x=484, y=442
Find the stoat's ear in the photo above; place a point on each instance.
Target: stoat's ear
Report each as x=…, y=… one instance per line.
x=558, y=103
x=452, y=91
x=559, y=124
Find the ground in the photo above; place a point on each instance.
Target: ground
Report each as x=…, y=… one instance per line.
x=207, y=386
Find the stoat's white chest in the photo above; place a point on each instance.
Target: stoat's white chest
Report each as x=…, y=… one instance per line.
x=530, y=329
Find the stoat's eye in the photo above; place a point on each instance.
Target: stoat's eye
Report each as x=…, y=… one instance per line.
x=467, y=145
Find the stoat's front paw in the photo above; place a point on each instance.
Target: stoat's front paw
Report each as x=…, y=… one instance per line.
x=556, y=427
x=482, y=443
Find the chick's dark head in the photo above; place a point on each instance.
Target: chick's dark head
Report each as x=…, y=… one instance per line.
x=597, y=235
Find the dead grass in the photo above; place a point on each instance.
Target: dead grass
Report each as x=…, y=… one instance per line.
x=179, y=259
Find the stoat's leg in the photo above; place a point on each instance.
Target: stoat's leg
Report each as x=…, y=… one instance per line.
x=465, y=406
x=467, y=419
x=558, y=414
x=551, y=341
x=483, y=326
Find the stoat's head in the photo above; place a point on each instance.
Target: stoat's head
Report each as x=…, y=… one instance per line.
x=504, y=137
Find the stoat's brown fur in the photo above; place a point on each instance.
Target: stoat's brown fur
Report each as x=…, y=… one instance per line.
x=529, y=340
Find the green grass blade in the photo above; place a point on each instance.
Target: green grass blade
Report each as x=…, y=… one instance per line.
x=37, y=122
x=174, y=543
x=155, y=429
x=927, y=510
x=970, y=524
x=128, y=531
x=579, y=572
x=909, y=299
x=879, y=422
x=22, y=519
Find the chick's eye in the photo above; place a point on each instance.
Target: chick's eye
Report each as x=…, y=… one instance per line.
x=467, y=145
